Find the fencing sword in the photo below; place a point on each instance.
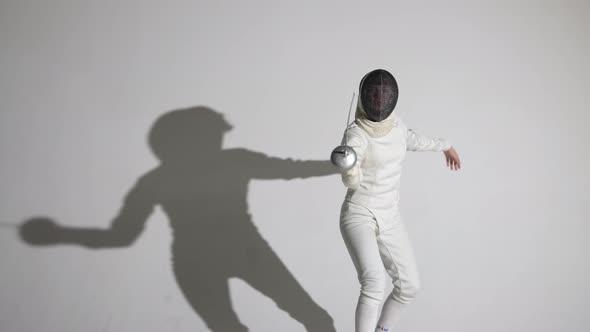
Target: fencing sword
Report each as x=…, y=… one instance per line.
x=8, y=225
x=343, y=157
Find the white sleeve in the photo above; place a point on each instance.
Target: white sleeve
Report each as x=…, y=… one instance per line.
x=353, y=177
x=418, y=142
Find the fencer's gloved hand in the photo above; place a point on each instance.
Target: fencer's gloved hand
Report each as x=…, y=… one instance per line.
x=352, y=178
x=344, y=159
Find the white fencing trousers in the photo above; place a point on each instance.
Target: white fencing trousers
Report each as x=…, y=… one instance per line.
x=376, y=243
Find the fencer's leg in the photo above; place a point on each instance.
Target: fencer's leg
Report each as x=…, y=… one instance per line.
x=390, y=314
x=359, y=233
x=398, y=258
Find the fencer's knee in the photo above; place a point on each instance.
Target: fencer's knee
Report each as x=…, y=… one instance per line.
x=407, y=291
x=373, y=284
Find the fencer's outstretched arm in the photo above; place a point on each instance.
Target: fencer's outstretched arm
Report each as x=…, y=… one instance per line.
x=353, y=177
x=418, y=142
x=123, y=231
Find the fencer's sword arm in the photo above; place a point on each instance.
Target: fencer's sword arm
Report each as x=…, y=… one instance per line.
x=352, y=177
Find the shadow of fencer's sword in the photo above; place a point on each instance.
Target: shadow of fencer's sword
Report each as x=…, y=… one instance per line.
x=343, y=157
x=8, y=225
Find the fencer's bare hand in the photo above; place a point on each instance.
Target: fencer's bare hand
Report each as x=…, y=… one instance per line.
x=453, y=160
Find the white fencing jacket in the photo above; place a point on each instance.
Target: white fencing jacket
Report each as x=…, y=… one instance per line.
x=374, y=181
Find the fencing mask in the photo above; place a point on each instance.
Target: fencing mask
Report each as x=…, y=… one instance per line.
x=378, y=94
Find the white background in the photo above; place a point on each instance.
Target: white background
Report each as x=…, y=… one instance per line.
x=501, y=244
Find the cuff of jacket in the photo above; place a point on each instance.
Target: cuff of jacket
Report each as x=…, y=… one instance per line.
x=447, y=145
x=352, y=177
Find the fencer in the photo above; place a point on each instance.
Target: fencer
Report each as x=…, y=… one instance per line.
x=370, y=221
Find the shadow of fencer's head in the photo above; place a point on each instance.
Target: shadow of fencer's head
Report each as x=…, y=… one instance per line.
x=185, y=135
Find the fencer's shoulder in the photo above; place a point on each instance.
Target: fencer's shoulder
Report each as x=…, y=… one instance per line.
x=354, y=130
x=399, y=121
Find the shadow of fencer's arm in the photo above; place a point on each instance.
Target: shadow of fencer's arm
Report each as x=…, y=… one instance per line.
x=262, y=166
x=123, y=231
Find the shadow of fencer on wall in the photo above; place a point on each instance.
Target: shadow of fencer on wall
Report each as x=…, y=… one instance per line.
x=202, y=188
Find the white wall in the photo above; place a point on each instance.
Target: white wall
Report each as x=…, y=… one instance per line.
x=500, y=244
